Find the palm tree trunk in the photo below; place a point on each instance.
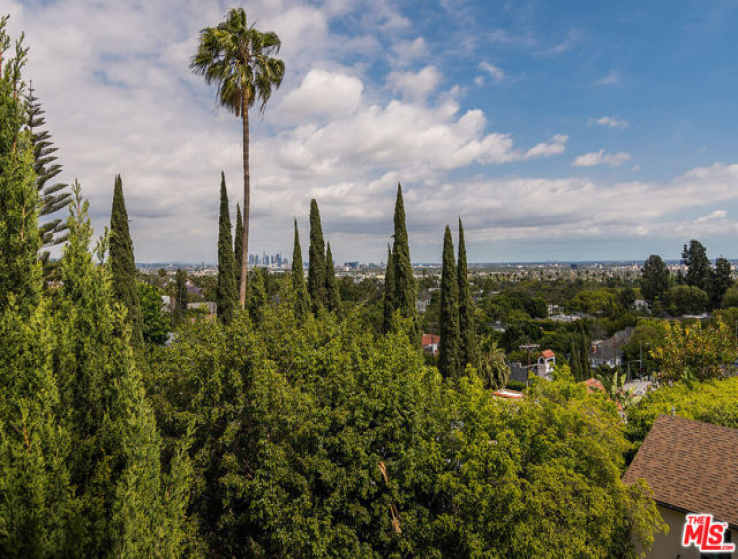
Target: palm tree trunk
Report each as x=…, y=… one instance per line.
x=246, y=196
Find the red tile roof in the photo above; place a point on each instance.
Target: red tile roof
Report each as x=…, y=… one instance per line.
x=594, y=384
x=429, y=339
x=547, y=353
x=690, y=466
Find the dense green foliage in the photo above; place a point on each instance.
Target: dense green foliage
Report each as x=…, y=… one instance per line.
x=80, y=452
x=695, y=352
x=713, y=401
x=257, y=297
x=316, y=264
x=156, y=324
x=449, y=363
x=122, y=264
x=226, y=293
x=686, y=299
x=313, y=439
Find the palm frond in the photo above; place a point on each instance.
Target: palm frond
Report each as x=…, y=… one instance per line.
x=239, y=59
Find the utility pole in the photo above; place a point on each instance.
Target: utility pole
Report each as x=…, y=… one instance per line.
x=528, y=347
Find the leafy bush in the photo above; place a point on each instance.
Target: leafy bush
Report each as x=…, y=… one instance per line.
x=714, y=401
x=313, y=439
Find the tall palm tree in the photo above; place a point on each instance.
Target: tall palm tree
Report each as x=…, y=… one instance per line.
x=240, y=60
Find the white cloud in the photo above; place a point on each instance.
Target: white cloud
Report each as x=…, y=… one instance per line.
x=324, y=94
x=595, y=158
x=610, y=121
x=714, y=216
x=414, y=85
x=497, y=73
x=610, y=79
x=556, y=146
x=417, y=137
x=407, y=51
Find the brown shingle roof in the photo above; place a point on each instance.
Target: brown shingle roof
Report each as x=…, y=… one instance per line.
x=691, y=466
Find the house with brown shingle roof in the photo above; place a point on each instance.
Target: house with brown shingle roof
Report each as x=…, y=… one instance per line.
x=692, y=467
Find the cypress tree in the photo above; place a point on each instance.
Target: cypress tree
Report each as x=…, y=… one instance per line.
x=123, y=265
x=316, y=266
x=575, y=362
x=389, y=293
x=37, y=507
x=448, y=358
x=302, y=302
x=180, y=296
x=19, y=238
x=257, y=296
x=128, y=507
x=333, y=297
x=404, y=295
x=586, y=368
x=469, y=350
x=226, y=295
x=238, y=248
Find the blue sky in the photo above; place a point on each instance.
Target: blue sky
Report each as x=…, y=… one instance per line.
x=556, y=130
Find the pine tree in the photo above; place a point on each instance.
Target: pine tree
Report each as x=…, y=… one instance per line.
x=654, y=279
x=123, y=265
x=389, y=293
x=404, y=295
x=333, y=297
x=694, y=257
x=316, y=266
x=720, y=281
x=448, y=358
x=55, y=196
x=469, y=347
x=226, y=294
x=238, y=248
x=302, y=302
x=19, y=238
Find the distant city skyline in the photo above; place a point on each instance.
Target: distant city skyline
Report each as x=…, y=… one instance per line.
x=564, y=131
